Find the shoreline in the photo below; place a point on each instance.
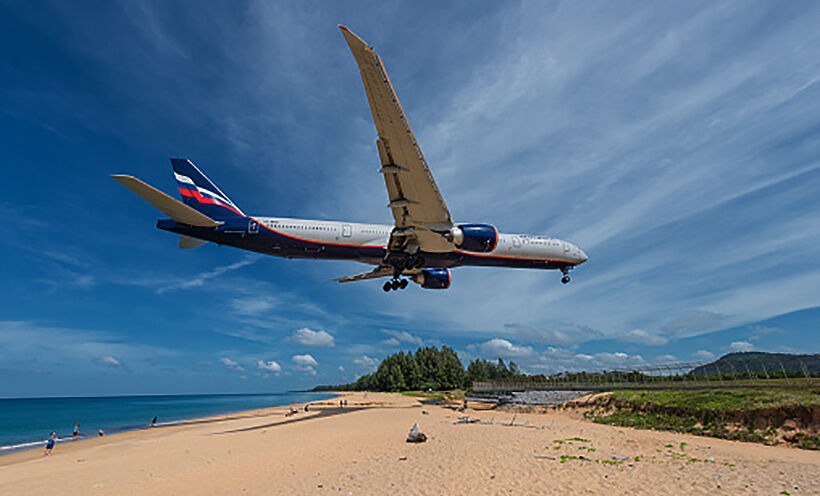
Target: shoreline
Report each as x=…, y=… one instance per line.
x=68, y=441
x=362, y=449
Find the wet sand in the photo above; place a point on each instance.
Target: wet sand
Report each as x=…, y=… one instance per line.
x=361, y=449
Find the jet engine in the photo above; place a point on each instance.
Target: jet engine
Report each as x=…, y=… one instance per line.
x=480, y=238
x=433, y=278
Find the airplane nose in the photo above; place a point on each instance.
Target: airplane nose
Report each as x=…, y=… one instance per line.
x=582, y=256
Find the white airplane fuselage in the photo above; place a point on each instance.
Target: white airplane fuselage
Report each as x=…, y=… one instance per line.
x=367, y=243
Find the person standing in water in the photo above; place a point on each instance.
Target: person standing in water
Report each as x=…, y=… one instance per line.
x=50, y=443
x=154, y=421
x=76, y=430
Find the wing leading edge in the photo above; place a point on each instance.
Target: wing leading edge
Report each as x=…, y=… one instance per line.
x=416, y=203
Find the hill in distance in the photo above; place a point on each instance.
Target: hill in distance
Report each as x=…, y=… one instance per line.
x=758, y=361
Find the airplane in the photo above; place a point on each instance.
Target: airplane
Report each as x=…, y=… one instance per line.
x=423, y=243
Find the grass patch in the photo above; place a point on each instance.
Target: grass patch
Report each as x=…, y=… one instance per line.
x=751, y=415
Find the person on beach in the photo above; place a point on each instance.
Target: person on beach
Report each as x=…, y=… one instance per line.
x=154, y=421
x=76, y=430
x=50, y=443
x=100, y=432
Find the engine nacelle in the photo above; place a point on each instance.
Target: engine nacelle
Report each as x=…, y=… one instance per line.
x=433, y=278
x=480, y=238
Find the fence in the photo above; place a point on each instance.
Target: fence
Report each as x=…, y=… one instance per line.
x=769, y=372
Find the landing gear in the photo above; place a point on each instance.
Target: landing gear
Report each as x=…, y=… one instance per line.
x=394, y=285
x=566, y=278
x=401, y=262
x=407, y=262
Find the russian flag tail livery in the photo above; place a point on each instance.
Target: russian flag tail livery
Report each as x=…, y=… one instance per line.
x=200, y=193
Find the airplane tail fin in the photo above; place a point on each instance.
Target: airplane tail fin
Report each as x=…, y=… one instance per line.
x=200, y=193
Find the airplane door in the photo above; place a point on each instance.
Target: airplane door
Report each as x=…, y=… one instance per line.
x=347, y=231
x=253, y=227
x=516, y=241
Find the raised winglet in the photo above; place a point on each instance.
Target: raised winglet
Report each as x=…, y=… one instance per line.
x=174, y=209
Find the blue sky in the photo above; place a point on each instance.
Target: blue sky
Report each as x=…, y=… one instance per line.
x=678, y=144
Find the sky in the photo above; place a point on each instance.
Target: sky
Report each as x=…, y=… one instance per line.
x=677, y=143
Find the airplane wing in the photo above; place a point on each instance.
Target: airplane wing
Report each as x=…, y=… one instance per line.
x=376, y=273
x=418, y=208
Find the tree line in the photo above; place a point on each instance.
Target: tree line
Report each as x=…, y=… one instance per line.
x=427, y=368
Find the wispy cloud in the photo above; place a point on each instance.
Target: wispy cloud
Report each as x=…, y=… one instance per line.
x=198, y=280
x=404, y=337
x=108, y=361
x=644, y=337
x=231, y=364
x=254, y=305
x=741, y=346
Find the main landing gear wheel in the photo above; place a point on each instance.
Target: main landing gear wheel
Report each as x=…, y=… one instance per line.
x=394, y=285
x=565, y=279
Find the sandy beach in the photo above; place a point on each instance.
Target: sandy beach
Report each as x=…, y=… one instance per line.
x=361, y=449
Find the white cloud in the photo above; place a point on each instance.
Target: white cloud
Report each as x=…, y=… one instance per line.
x=108, y=361
x=231, y=364
x=305, y=363
x=269, y=366
x=341, y=369
x=666, y=359
x=498, y=347
x=253, y=305
x=392, y=342
x=704, y=355
x=366, y=362
x=741, y=346
x=305, y=360
x=573, y=334
x=644, y=337
x=404, y=337
x=308, y=337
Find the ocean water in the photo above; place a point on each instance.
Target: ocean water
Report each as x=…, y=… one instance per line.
x=27, y=422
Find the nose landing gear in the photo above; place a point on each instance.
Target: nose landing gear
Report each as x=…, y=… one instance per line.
x=566, y=278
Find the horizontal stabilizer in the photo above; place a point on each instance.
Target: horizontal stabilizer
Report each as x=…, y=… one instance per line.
x=189, y=243
x=174, y=209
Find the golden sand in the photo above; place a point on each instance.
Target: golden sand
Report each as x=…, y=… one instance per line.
x=361, y=449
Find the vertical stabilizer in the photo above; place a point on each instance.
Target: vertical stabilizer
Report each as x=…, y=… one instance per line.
x=200, y=193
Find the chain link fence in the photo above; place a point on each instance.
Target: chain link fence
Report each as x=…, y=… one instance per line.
x=782, y=373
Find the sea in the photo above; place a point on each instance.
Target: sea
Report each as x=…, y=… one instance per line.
x=27, y=422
